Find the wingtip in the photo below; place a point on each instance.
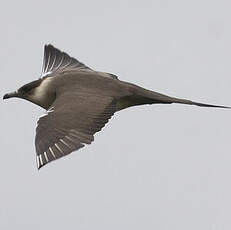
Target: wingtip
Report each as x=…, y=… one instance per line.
x=39, y=167
x=49, y=46
x=45, y=46
x=39, y=163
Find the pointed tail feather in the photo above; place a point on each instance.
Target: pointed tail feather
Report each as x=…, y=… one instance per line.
x=188, y=102
x=152, y=97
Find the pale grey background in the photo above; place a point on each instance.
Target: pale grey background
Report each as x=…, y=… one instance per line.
x=152, y=167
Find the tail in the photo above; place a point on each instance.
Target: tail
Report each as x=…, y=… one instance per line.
x=188, y=102
x=141, y=96
x=155, y=97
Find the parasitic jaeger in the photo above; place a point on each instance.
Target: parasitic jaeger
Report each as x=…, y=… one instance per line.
x=79, y=102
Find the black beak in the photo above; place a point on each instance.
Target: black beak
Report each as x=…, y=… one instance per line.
x=9, y=95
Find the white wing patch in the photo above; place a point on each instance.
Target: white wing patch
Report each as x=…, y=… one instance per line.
x=45, y=74
x=61, y=140
x=41, y=159
x=56, y=145
x=50, y=110
x=52, y=152
x=55, y=59
x=38, y=162
x=45, y=154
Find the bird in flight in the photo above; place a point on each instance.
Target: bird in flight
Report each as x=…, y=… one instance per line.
x=79, y=101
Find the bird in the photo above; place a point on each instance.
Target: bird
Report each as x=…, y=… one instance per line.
x=79, y=101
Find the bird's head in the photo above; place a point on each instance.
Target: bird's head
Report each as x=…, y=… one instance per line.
x=10, y=95
x=26, y=91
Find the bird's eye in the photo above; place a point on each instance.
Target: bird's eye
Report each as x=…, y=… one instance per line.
x=25, y=89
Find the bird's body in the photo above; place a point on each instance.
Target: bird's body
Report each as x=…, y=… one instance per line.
x=92, y=83
x=79, y=102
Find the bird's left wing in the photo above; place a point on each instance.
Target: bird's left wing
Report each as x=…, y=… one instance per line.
x=70, y=123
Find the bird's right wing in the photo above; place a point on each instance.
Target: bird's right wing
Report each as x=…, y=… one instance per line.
x=70, y=123
x=55, y=60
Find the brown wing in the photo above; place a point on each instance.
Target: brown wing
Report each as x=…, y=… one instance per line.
x=70, y=123
x=55, y=60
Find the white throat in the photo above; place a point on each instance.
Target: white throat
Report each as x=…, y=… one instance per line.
x=41, y=93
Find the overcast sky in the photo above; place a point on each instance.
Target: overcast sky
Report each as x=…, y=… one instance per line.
x=152, y=167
